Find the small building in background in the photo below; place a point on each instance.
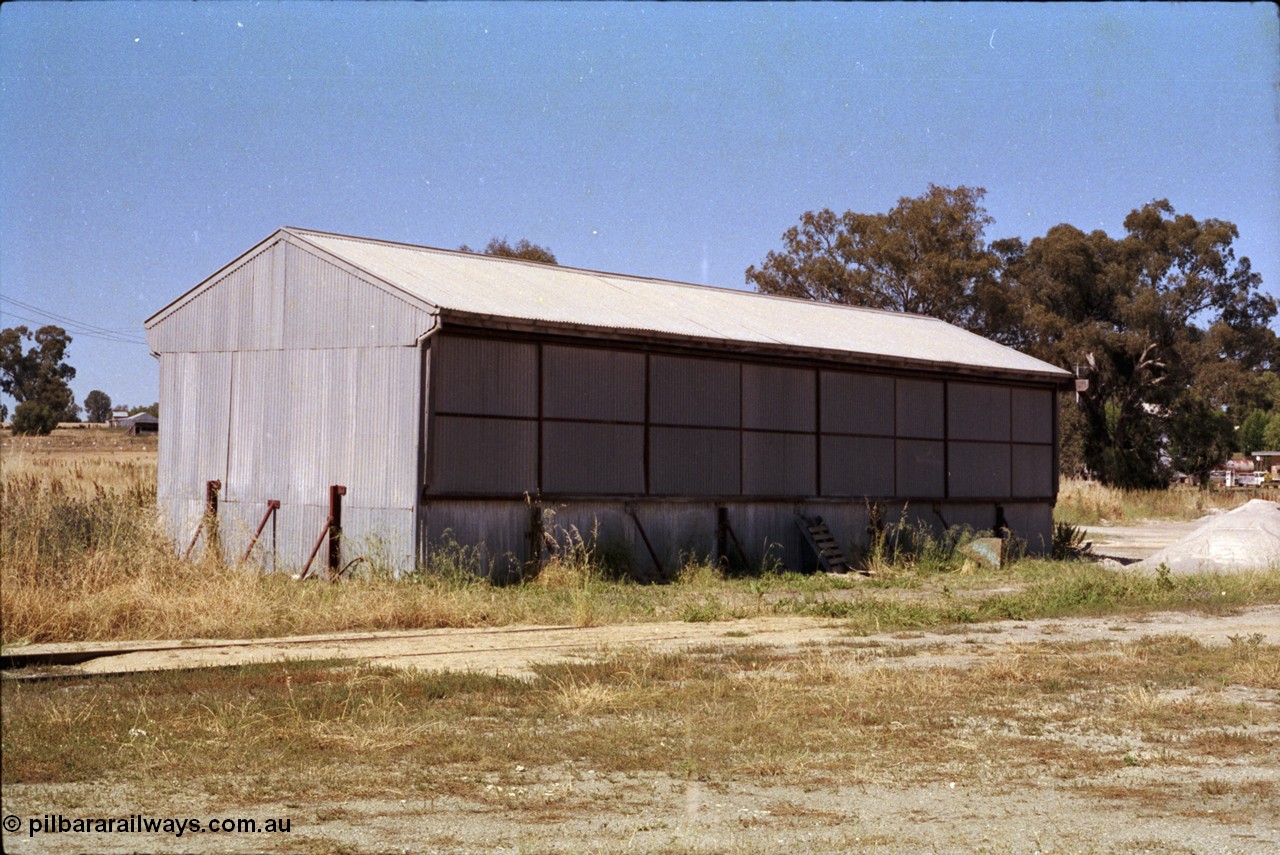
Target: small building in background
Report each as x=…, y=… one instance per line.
x=118, y=415
x=140, y=423
x=483, y=401
x=1267, y=462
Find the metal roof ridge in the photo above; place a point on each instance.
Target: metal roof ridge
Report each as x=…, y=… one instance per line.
x=540, y=265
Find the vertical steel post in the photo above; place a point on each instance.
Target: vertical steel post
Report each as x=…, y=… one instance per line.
x=336, y=492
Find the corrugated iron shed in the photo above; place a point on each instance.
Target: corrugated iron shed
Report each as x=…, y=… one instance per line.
x=484, y=290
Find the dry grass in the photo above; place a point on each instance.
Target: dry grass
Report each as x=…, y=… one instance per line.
x=1091, y=503
x=1073, y=713
x=82, y=558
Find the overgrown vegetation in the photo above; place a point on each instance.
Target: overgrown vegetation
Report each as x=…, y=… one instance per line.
x=1092, y=503
x=82, y=557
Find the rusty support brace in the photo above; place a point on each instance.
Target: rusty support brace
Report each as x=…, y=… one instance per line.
x=725, y=530
x=306, y=568
x=336, y=492
x=647, y=545
x=209, y=517
x=273, y=505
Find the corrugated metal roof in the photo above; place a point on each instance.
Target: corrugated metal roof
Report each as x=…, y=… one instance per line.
x=546, y=295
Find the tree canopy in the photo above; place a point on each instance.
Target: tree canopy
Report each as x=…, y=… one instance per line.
x=926, y=255
x=523, y=249
x=37, y=377
x=97, y=406
x=1168, y=325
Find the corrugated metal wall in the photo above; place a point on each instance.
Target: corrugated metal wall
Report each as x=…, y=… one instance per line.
x=285, y=377
x=723, y=427
x=286, y=297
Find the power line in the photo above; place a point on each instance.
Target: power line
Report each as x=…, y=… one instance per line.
x=77, y=327
x=56, y=316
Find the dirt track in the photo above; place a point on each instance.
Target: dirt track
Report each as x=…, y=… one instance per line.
x=512, y=650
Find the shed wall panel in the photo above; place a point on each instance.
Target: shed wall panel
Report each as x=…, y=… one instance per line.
x=857, y=466
x=977, y=411
x=485, y=377
x=778, y=464
x=478, y=455
x=288, y=297
x=1033, y=416
x=1032, y=471
x=592, y=458
x=920, y=469
x=919, y=408
x=693, y=462
x=592, y=383
x=776, y=398
x=978, y=470
x=695, y=392
x=194, y=421
x=857, y=403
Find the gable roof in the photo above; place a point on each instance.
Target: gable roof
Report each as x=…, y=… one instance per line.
x=480, y=290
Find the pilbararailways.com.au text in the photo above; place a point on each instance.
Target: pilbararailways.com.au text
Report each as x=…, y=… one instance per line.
x=56, y=823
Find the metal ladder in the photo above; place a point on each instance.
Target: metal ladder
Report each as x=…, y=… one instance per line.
x=830, y=556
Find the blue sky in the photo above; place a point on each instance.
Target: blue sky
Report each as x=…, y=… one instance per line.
x=146, y=145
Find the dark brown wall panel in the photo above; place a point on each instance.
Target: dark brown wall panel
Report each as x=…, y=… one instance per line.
x=484, y=377
x=1033, y=416
x=477, y=455
x=590, y=458
x=1032, y=470
x=778, y=464
x=919, y=408
x=857, y=403
x=592, y=383
x=977, y=411
x=979, y=470
x=920, y=469
x=857, y=466
x=777, y=398
x=693, y=462
x=688, y=391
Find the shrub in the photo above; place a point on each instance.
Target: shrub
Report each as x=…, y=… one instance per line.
x=34, y=418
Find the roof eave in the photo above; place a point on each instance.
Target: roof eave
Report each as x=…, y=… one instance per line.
x=1057, y=377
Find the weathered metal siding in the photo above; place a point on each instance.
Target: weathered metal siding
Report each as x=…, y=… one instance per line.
x=777, y=398
x=694, y=392
x=238, y=408
x=1032, y=470
x=979, y=412
x=978, y=470
x=287, y=297
x=592, y=383
x=682, y=531
x=592, y=459
x=485, y=456
x=921, y=469
x=694, y=462
x=857, y=466
x=919, y=408
x=485, y=377
x=303, y=420
x=778, y=464
x=1033, y=415
x=857, y=403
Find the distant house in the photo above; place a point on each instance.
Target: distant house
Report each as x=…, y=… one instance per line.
x=118, y=416
x=140, y=423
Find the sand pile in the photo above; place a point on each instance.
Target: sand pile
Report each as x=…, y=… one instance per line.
x=1247, y=538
